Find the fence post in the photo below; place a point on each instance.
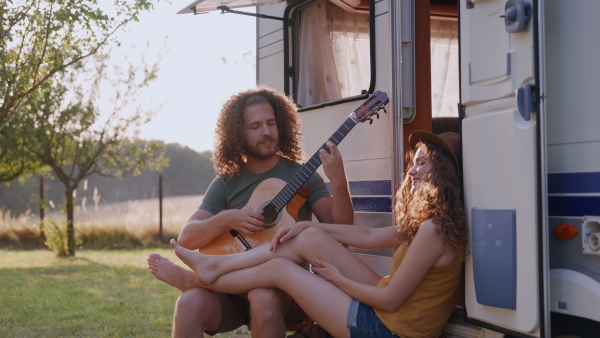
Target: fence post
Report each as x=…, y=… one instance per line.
x=160, y=206
x=42, y=209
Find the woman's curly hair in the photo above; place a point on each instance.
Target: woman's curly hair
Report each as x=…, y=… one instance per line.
x=439, y=198
x=230, y=153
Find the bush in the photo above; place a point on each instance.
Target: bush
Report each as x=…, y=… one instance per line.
x=56, y=237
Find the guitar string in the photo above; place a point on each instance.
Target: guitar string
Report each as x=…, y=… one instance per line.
x=293, y=186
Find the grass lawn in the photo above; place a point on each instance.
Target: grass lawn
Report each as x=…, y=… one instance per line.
x=98, y=293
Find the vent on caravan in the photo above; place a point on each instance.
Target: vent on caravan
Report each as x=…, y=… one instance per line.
x=199, y=6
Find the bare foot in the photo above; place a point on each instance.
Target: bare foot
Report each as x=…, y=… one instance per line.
x=171, y=273
x=203, y=265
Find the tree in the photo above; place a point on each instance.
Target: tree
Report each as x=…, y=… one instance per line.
x=189, y=172
x=63, y=127
x=15, y=162
x=42, y=38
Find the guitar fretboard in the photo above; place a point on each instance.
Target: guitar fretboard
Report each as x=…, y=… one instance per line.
x=296, y=182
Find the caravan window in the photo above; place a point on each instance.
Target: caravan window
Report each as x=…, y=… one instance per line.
x=444, y=67
x=331, y=51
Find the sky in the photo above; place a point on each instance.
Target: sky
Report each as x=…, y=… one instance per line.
x=209, y=57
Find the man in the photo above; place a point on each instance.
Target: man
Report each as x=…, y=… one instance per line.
x=257, y=138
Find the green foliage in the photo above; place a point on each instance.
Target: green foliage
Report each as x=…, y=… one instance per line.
x=57, y=239
x=189, y=172
x=15, y=162
x=43, y=37
x=38, y=40
x=63, y=128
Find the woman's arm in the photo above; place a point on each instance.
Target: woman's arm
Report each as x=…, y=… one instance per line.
x=426, y=249
x=351, y=235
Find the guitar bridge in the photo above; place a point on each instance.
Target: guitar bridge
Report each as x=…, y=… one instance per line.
x=240, y=239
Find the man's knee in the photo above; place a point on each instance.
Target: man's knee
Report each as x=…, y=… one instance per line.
x=197, y=298
x=196, y=309
x=267, y=302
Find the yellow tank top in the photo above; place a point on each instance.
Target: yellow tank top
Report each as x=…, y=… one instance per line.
x=428, y=307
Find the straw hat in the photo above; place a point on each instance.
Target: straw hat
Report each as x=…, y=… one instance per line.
x=448, y=140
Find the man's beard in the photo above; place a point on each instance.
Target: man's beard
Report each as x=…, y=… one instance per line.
x=253, y=151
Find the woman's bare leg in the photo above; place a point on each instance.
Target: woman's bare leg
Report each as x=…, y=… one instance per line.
x=321, y=300
x=310, y=244
x=172, y=274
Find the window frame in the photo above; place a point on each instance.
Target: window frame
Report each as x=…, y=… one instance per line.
x=291, y=51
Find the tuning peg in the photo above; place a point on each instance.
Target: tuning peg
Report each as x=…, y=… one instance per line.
x=377, y=114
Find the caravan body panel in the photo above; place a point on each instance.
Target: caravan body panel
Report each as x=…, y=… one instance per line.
x=572, y=81
x=270, y=47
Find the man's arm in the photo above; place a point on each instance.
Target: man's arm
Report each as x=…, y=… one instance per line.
x=338, y=208
x=203, y=227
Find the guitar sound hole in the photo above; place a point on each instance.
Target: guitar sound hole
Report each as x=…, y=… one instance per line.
x=271, y=216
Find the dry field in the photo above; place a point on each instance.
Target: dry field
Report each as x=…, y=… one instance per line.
x=134, y=221
x=138, y=216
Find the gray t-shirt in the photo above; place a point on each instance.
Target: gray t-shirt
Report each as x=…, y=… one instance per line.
x=235, y=191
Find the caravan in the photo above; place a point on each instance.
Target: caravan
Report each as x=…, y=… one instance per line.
x=518, y=79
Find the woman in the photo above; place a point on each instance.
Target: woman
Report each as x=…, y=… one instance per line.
x=344, y=295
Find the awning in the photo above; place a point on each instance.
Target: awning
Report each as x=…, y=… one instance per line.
x=212, y=5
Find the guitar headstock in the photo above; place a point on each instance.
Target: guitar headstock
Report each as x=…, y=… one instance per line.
x=370, y=107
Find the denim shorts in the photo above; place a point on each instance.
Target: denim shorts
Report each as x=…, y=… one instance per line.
x=364, y=323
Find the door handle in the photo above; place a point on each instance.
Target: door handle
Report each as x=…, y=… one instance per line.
x=517, y=14
x=526, y=100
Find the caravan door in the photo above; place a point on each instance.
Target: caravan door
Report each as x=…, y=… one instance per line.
x=505, y=272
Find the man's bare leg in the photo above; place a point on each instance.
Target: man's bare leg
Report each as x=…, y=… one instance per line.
x=196, y=310
x=268, y=308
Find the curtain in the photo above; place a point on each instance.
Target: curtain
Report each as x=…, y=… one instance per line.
x=444, y=68
x=334, y=54
x=318, y=78
x=351, y=49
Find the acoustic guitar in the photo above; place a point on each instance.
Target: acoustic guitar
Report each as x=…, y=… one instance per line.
x=280, y=201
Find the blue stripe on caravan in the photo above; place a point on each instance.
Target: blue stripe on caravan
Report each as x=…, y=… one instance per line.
x=372, y=204
x=368, y=188
x=574, y=183
x=575, y=206
x=371, y=188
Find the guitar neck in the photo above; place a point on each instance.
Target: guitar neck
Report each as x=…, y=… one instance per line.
x=286, y=194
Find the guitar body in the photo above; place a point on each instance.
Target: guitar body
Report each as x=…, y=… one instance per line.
x=262, y=195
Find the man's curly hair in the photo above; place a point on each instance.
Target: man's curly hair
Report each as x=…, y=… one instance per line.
x=439, y=198
x=230, y=146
